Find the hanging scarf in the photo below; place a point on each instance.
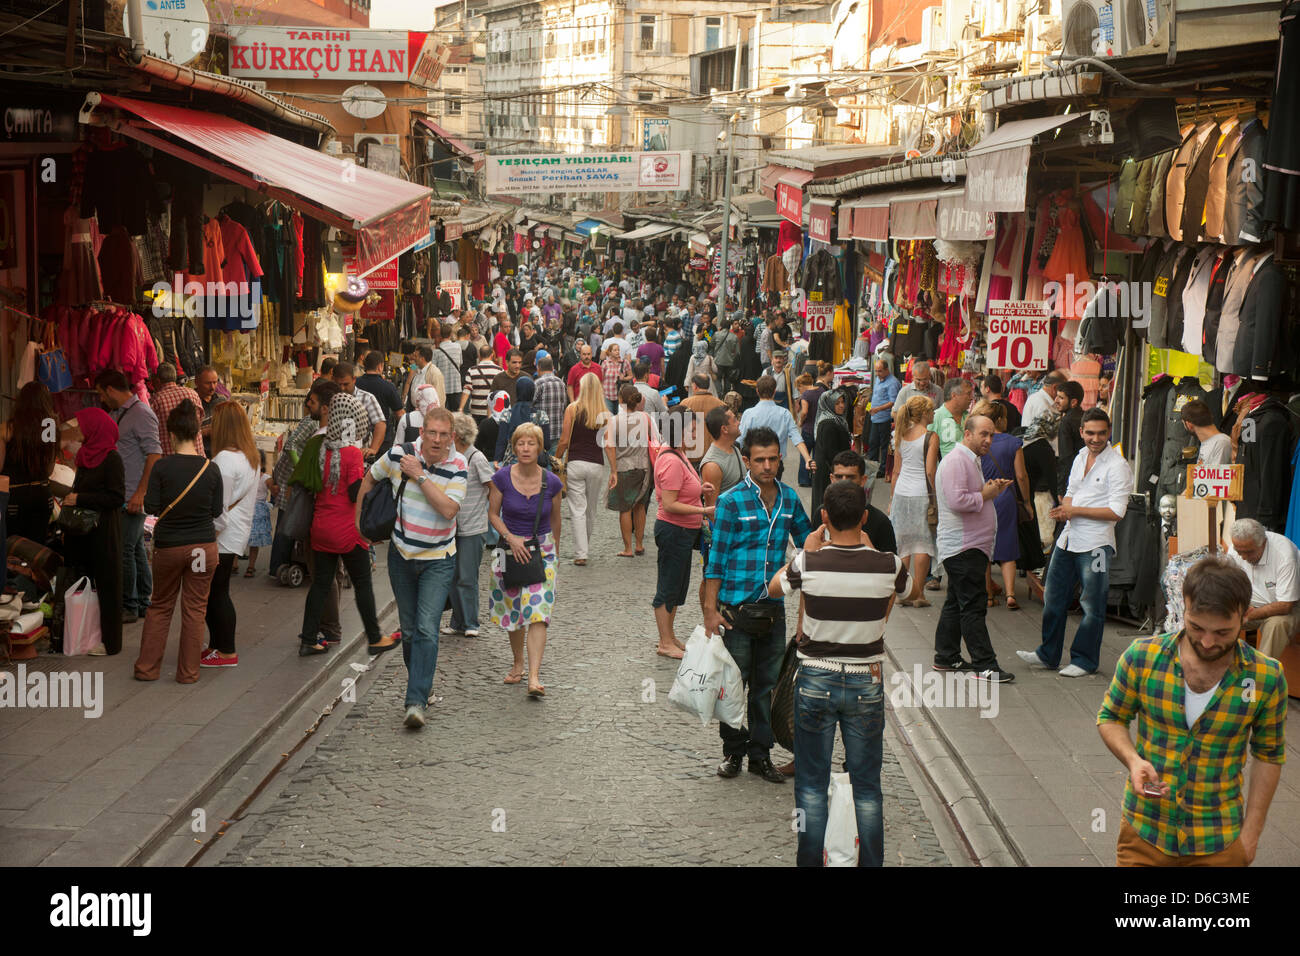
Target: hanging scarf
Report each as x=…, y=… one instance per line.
x=98, y=437
x=339, y=435
x=826, y=410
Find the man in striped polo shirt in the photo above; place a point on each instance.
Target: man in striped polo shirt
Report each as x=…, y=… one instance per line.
x=431, y=476
x=848, y=591
x=478, y=384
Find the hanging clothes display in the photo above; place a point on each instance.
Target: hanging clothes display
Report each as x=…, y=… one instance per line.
x=79, y=280
x=1282, y=155
x=1266, y=493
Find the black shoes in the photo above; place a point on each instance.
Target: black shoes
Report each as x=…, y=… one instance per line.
x=963, y=666
x=764, y=768
x=730, y=767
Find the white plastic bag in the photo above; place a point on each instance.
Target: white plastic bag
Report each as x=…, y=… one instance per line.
x=731, y=706
x=81, y=629
x=840, y=846
x=695, y=689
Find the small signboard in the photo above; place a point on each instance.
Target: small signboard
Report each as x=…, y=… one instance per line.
x=1215, y=482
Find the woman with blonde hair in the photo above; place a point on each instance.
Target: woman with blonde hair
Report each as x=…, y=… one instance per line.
x=518, y=514
x=235, y=455
x=584, y=420
x=907, y=509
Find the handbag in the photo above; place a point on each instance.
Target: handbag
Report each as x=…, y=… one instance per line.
x=75, y=520
x=932, y=509
x=380, y=506
x=52, y=365
x=783, y=698
x=295, y=519
x=520, y=574
x=1024, y=513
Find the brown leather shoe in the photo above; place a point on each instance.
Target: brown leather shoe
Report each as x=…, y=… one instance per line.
x=787, y=770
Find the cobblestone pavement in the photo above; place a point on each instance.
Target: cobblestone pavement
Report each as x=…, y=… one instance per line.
x=603, y=771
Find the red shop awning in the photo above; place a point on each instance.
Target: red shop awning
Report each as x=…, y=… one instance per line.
x=776, y=175
x=387, y=215
x=452, y=142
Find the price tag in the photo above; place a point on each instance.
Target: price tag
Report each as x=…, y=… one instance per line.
x=1215, y=482
x=820, y=317
x=814, y=296
x=1017, y=335
x=901, y=328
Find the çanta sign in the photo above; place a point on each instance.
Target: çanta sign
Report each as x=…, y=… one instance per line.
x=1018, y=335
x=1215, y=482
x=599, y=172
x=304, y=54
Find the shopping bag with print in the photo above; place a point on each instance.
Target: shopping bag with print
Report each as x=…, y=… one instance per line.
x=730, y=707
x=699, y=677
x=840, y=847
x=81, y=630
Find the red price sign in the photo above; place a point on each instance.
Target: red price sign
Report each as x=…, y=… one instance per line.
x=1018, y=335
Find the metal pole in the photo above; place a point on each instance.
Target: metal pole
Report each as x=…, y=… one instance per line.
x=731, y=152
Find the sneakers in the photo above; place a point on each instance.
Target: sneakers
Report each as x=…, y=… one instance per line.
x=450, y=631
x=957, y=665
x=471, y=632
x=434, y=699
x=213, y=659
x=1074, y=670
x=1031, y=658
x=996, y=676
x=414, y=718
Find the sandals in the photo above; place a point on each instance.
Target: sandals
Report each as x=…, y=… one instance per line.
x=1012, y=604
x=624, y=554
x=513, y=678
x=580, y=562
x=675, y=656
x=916, y=602
x=250, y=573
x=995, y=599
x=640, y=551
x=536, y=690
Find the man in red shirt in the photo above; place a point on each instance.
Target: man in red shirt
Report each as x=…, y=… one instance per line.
x=503, y=342
x=585, y=365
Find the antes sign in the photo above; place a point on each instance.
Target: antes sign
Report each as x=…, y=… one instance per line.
x=1017, y=335
x=307, y=54
x=599, y=172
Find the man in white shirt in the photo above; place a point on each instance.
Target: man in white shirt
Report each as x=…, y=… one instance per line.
x=1271, y=562
x=1096, y=499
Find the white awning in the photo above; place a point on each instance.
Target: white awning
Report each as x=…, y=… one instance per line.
x=650, y=230
x=997, y=167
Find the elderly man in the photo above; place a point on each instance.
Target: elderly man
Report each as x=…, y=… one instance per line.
x=783, y=376
x=921, y=384
x=1271, y=562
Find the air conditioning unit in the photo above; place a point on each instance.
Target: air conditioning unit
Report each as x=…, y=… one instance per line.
x=933, y=37
x=1206, y=25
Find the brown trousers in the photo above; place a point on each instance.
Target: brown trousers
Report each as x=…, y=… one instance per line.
x=1132, y=850
x=186, y=570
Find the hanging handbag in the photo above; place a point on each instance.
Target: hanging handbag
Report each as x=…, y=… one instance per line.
x=1024, y=513
x=380, y=506
x=932, y=509
x=51, y=364
x=521, y=574
x=74, y=520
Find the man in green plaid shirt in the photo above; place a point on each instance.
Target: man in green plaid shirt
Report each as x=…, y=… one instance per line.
x=1199, y=696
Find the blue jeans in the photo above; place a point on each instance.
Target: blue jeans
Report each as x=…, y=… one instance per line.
x=1066, y=569
x=137, y=576
x=856, y=702
x=464, y=596
x=805, y=476
x=878, y=444
x=420, y=589
x=759, y=658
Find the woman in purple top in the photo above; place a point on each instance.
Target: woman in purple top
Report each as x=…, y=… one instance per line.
x=652, y=352
x=513, y=507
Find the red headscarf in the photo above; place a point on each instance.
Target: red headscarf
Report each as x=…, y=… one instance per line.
x=99, y=436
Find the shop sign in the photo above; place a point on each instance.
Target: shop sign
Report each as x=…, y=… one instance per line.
x=1215, y=482
x=620, y=255
x=1018, y=334
x=654, y=134
x=454, y=289
x=820, y=217
x=424, y=243
x=392, y=235
x=699, y=262
x=517, y=174
x=36, y=124
x=385, y=310
x=429, y=62
x=385, y=277
x=454, y=230
x=820, y=317
x=789, y=203
x=297, y=53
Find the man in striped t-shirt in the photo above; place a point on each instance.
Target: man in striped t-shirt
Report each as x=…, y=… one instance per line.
x=848, y=591
x=478, y=384
x=422, y=552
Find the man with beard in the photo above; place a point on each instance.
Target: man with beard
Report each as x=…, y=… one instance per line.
x=1199, y=695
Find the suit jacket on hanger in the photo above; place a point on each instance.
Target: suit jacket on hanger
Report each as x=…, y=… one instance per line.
x=1217, y=190
x=1197, y=185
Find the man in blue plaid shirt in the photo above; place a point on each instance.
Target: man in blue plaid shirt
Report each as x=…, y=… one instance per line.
x=753, y=522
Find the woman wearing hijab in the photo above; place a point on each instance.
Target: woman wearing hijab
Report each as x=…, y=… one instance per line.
x=523, y=411
x=702, y=362
x=426, y=397
x=100, y=485
x=497, y=417
x=334, y=534
x=833, y=437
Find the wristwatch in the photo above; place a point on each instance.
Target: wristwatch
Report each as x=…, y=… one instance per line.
x=422, y=479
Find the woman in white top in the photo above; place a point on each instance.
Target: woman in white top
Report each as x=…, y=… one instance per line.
x=907, y=510
x=237, y=459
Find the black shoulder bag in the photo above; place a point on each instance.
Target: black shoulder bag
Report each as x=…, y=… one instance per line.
x=379, y=508
x=522, y=574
